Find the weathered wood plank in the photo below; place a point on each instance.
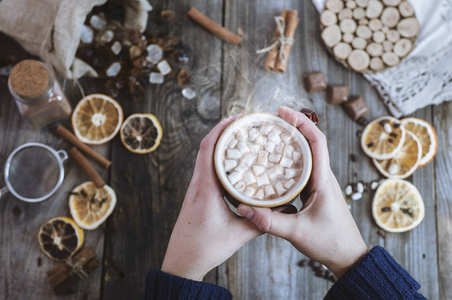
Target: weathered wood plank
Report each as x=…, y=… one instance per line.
x=443, y=192
x=23, y=264
x=151, y=188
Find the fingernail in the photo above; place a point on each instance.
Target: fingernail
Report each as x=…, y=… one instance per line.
x=228, y=119
x=285, y=108
x=246, y=211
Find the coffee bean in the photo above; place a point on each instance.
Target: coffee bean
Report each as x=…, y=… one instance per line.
x=359, y=133
x=312, y=263
x=332, y=278
x=319, y=273
x=302, y=263
x=353, y=157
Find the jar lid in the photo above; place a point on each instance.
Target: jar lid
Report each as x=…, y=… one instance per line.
x=29, y=78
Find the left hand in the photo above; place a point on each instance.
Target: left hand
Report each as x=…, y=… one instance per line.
x=206, y=232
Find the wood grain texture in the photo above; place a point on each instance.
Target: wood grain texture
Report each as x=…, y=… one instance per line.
x=151, y=188
x=23, y=265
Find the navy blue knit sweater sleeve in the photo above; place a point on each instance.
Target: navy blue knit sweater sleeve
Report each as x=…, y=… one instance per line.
x=161, y=285
x=376, y=276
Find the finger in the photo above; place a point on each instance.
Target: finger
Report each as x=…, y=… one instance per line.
x=315, y=137
x=204, y=160
x=269, y=221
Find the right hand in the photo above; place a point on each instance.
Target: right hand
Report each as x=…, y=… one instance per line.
x=324, y=230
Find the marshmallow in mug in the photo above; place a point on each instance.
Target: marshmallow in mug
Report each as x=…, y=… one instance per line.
x=262, y=160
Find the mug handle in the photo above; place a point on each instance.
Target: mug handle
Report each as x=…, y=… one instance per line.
x=62, y=154
x=3, y=191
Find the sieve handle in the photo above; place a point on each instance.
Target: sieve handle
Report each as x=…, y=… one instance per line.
x=63, y=154
x=3, y=191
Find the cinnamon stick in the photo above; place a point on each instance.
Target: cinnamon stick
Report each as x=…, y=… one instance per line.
x=272, y=56
x=61, y=278
x=71, y=138
x=291, y=26
x=86, y=167
x=214, y=27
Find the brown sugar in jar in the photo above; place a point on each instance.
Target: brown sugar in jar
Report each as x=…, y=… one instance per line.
x=38, y=94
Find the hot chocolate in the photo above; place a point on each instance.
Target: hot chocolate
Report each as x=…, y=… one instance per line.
x=262, y=158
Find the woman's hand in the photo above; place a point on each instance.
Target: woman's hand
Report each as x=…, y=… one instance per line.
x=324, y=230
x=206, y=232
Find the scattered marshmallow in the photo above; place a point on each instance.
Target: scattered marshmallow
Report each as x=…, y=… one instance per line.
x=360, y=187
x=249, y=178
x=164, y=67
x=243, y=147
x=289, y=150
x=240, y=186
x=249, y=159
x=253, y=134
x=259, y=194
x=235, y=177
x=285, y=162
x=348, y=190
x=388, y=127
x=280, y=189
x=270, y=147
x=249, y=191
x=274, y=137
x=393, y=168
x=230, y=164
x=232, y=143
x=356, y=196
x=296, y=155
x=261, y=140
x=274, y=172
x=290, y=173
x=262, y=158
x=258, y=170
x=266, y=129
x=289, y=183
x=233, y=153
x=269, y=191
x=274, y=158
x=262, y=180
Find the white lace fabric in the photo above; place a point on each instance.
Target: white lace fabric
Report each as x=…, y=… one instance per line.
x=424, y=77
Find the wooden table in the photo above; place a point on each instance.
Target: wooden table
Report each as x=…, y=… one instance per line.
x=151, y=188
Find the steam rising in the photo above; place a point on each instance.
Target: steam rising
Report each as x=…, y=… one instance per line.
x=245, y=86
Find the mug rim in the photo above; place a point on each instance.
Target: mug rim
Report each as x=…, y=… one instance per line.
x=58, y=158
x=293, y=192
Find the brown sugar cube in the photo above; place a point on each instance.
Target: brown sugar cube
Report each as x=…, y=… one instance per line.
x=337, y=94
x=315, y=82
x=356, y=108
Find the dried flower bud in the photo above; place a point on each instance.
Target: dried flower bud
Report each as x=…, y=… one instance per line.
x=110, y=89
x=183, y=77
x=167, y=15
x=136, y=90
x=312, y=115
x=179, y=56
x=134, y=36
x=135, y=51
x=140, y=62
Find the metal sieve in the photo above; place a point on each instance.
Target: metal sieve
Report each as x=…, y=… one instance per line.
x=33, y=172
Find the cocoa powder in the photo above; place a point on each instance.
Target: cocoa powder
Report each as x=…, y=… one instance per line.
x=29, y=78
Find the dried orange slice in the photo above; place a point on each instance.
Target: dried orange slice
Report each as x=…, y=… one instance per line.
x=397, y=206
x=426, y=134
x=96, y=119
x=405, y=162
x=60, y=238
x=141, y=133
x=383, y=138
x=90, y=206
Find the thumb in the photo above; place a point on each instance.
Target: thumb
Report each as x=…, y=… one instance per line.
x=269, y=221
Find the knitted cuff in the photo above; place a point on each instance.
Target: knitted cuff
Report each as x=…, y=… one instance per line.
x=376, y=276
x=161, y=285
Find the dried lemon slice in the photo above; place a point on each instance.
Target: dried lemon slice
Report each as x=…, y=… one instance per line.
x=383, y=138
x=60, y=238
x=141, y=133
x=426, y=134
x=397, y=206
x=405, y=162
x=96, y=119
x=90, y=206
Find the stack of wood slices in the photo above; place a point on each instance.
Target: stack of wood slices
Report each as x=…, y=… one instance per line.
x=369, y=35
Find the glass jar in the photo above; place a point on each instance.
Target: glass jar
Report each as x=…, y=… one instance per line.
x=38, y=94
